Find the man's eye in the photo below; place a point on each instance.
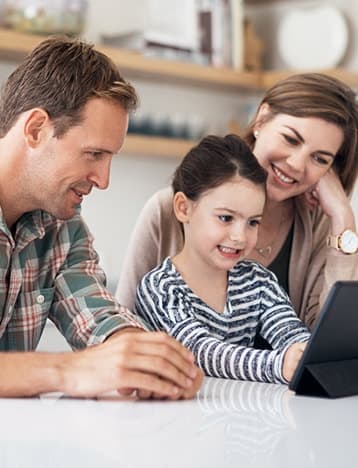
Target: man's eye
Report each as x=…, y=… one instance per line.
x=94, y=154
x=225, y=218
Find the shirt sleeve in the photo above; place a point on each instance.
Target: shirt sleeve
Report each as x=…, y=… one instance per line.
x=84, y=310
x=216, y=357
x=279, y=323
x=314, y=267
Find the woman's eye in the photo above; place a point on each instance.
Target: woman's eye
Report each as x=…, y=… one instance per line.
x=225, y=218
x=290, y=140
x=320, y=159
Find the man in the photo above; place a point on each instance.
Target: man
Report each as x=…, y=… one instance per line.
x=63, y=115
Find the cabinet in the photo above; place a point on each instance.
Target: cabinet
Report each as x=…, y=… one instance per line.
x=14, y=46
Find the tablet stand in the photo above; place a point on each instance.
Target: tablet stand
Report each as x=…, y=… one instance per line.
x=330, y=379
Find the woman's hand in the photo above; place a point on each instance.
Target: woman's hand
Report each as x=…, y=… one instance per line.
x=330, y=195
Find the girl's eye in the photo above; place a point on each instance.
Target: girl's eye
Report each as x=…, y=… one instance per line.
x=225, y=218
x=291, y=140
x=321, y=160
x=254, y=222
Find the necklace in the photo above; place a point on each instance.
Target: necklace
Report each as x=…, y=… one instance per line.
x=266, y=250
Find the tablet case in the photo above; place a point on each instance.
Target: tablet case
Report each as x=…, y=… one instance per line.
x=329, y=379
x=329, y=365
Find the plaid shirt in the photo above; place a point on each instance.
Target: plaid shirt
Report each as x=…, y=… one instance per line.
x=49, y=269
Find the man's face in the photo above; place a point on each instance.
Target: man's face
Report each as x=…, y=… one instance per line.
x=63, y=170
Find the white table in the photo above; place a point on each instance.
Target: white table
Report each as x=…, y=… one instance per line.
x=229, y=424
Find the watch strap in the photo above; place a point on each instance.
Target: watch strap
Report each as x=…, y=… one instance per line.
x=333, y=241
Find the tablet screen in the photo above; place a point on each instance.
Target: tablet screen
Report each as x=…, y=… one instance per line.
x=334, y=338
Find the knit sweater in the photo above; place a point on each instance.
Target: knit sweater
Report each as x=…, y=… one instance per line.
x=222, y=342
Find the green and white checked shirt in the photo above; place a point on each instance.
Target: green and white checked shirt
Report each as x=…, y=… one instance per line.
x=49, y=269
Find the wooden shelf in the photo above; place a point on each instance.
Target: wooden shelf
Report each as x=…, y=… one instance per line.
x=265, y=2
x=15, y=46
x=156, y=146
x=269, y=78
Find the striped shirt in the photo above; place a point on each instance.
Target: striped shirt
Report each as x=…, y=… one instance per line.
x=49, y=269
x=223, y=342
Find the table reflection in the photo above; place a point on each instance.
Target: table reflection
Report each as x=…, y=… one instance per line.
x=254, y=417
x=228, y=424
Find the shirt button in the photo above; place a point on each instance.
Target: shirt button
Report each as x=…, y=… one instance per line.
x=40, y=299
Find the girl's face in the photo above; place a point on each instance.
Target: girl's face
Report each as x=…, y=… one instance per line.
x=297, y=152
x=222, y=226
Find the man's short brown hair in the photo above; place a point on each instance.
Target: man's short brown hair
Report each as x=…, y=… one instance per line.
x=60, y=75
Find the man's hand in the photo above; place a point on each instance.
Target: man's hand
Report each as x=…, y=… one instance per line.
x=152, y=363
x=292, y=356
x=182, y=395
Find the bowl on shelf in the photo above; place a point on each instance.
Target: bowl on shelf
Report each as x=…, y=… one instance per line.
x=313, y=37
x=42, y=17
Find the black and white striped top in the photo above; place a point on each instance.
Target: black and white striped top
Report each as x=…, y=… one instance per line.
x=223, y=342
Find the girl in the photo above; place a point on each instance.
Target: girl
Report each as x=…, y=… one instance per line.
x=207, y=296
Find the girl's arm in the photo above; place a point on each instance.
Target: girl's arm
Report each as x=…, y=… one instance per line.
x=216, y=357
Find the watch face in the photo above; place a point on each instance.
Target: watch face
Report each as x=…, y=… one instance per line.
x=349, y=242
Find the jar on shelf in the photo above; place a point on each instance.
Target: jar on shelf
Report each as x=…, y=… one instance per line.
x=43, y=17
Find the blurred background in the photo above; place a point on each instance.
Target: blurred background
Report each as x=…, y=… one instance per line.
x=200, y=66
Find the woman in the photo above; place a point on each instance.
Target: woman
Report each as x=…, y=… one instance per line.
x=305, y=134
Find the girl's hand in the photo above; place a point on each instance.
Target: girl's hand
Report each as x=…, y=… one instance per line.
x=330, y=195
x=292, y=357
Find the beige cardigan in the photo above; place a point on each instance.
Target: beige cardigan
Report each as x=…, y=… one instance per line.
x=313, y=267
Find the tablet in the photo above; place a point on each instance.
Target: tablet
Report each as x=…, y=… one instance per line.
x=329, y=364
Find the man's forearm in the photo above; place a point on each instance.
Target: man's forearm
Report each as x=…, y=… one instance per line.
x=152, y=362
x=29, y=374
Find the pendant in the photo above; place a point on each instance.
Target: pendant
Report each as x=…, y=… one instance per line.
x=264, y=251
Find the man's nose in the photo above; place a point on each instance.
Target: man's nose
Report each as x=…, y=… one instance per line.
x=101, y=175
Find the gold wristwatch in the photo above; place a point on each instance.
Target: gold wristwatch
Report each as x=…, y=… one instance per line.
x=347, y=242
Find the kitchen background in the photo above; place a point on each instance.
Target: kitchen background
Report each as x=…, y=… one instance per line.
x=280, y=32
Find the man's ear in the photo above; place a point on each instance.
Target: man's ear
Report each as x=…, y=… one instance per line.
x=262, y=116
x=37, y=127
x=182, y=207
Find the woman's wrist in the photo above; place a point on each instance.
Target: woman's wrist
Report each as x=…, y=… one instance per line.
x=343, y=220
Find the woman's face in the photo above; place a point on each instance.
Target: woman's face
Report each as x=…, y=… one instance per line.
x=296, y=152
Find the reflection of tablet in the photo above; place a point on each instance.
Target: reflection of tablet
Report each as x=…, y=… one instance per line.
x=329, y=364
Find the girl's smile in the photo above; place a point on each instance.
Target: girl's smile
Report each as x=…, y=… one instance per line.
x=221, y=227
